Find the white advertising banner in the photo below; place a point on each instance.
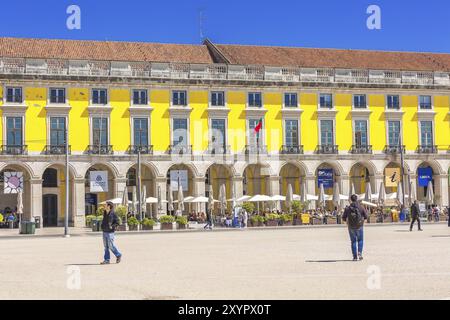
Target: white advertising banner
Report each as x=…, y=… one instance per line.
x=13, y=182
x=182, y=176
x=98, y=181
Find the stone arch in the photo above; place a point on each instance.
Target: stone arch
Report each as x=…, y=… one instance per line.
x=256, y=178
x=361, y=174
x=292, y=173
x=114, y=170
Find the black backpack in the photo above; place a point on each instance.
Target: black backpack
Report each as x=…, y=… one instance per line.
x=355, y=217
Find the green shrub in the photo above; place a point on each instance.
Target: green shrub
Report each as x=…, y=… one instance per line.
x=249, y=207
x=121, y=212
x=100, y=211
x=132, y=221
x=272, y=216
x=286, y=217
x=166, y=219
x=299, y=207
x=256, y=218
x=182, y=220
x=148, y=222
x=89, y=218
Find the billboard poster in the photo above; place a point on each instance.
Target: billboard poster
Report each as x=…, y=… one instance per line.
x=392, y=178
x=425, y=175
x=325, y=177
x=98, y=181
x=13, y=182
x=182, y=176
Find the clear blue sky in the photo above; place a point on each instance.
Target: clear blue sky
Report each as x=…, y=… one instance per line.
x=406, y=25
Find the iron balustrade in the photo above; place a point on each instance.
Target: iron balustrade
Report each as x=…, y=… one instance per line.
x=255, y=149
x=327, y=149
x=427, y=149
x=56, y=149
x=394, y=149
x=361, y=149
x=180, y=149
x=143, y=149
x=218, y=149
x=14, y=149
x=100, y=149
x=292, y=149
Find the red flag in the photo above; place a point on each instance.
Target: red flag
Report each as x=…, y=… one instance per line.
x=258, y=126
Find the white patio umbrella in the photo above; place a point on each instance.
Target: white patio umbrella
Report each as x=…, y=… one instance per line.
x=143, y=201
x=180, y=198
x=382, y=194
x=321, y=198
x=368, y=194
x=200, y=199
x=170, y=199
x=222, y=198
x=154, y=200
x=303, y=193
x=233, y=195
x=159, y=201
x=259, y=198
x=125, y=203
x=278, y=197
x=20, y=206
x=133, y=206
x=289, y=197
x=400, y=194
x=116, y=201
x=430, y=193
x=243, y=199
x=336, y=195
x=412, y=193
x=211, y=203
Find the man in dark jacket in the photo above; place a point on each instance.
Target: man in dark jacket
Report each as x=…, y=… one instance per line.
x=415, y=215
x=109, y=224
x=354, y=215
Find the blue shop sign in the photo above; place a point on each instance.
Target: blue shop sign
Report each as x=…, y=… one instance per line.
x=325, y=177
x=425, y=175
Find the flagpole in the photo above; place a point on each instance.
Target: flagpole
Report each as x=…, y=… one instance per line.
x=66, y=218
x=402, y=170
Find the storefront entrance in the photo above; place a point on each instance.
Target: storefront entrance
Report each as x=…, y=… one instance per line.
x=50, y=210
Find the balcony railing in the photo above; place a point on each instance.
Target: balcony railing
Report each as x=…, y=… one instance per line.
x=394, y=149
x=327, y=149
x=427, y=149
x=56, y=149
x=180, y=149
x=361, y=149
x=126, y=69
x=143, y=149
x=298, y=149
x=214, y=149
x=14, y=150
x=255, y=149
x=100, y=149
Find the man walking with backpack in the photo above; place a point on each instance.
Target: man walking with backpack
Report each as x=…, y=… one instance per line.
x=355, y=215
x=415, y=215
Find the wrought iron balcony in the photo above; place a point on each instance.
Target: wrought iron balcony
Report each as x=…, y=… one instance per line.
x=327, y=149
x=427, y=149
x=14, y=150
x=218, y=149
x=361, y=149
x=180, y=149
x=100, y=149
x=255, y=149
x=56, y=149
x=394, y=149
x=143, y=149
x=292, y=149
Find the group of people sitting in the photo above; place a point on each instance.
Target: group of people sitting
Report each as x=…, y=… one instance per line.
x=199, y=217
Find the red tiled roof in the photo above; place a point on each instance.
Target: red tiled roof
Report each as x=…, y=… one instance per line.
x=103, y=50
x=334, y=58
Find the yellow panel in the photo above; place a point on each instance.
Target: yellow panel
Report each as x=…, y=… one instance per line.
x=236, y=120
x=79, y=119
x=309, y=129
x=442, y=121
x=160, y=119
x=410, y=124
x=1, y=112
x=344, y=135
x=198, y=101
x=273, y=121
x=120, y=120
x=377, y=122
x=35, y=119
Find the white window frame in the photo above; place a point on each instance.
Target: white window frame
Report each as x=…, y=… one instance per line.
x=298, y=133
x=91, y=126
x=5, y=95
x=353, y=101
x=99, y=104
x=224, y=98
x=320, y=129
x=188, y=129
x=432, y=102
x=433, y=128
x=148, y=127
x=55, y=115
x=179, y=105
x=49, y=97
x=319, y=107
x=210, y=129
x=248, y=100
x=354, y=129
x=5, y=126
x=132, y=96
x=290, y=107
x=399, y=103
x=262, y=141
x=387, y=131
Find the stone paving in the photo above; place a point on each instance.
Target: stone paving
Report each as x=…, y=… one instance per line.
x=288, y=263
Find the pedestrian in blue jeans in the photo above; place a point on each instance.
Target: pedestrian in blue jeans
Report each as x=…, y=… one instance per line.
x=354, y=215
x=109, y=224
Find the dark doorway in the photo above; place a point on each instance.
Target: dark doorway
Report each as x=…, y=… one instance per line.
x=50, y=210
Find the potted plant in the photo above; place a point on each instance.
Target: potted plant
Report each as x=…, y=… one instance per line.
x=256, y=221
x=298, y=208
x=182, y=222
x=166, y=222
x=89, y=219
x=133, y=223
x=148, y=224
x=286, y=219
x=272, y=219
x=121, y=212
x=249, y=207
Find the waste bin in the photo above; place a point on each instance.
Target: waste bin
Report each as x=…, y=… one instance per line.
x=27, y=227
x=96, y=225
x=37, y=220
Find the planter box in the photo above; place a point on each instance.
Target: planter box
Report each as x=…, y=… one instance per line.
x=122, y=227
x=147, y=227
x=287, y=223
x=297, y=222
x=272, y=223
x=332, y=221
x=181, y=226
x=132, y=228
x=166, y=226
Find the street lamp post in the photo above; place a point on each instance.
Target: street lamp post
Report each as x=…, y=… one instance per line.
x=402, y=170
x=139, y=182
x=66, y=217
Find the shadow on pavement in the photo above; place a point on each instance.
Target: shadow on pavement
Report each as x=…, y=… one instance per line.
x=84, y=264
x=327, y=261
